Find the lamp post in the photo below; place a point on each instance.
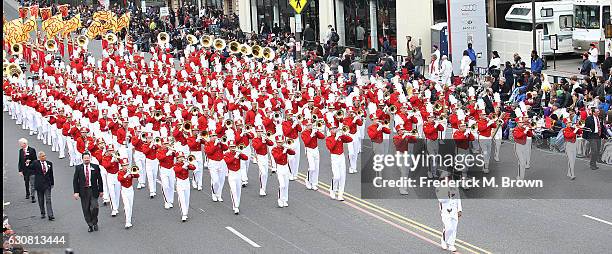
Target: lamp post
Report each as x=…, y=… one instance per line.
x=533, y=24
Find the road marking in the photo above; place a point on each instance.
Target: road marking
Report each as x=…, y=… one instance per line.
x=597, y=219
x=202, y=210
x=246, y=239
x=394, y=216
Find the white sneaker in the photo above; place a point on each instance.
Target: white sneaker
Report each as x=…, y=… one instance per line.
x=315, y=188
x=280, y=203
x=236, y=210
x=452, y=248
x=340, y=197
x=285, y=204
x=262, y=193
x=171, y=205
x=219, y=198
x=184, y=218
x=308, y=186
x=403, y=191
x=332, y=195
x=193, y=184
x=128, y=225
x=291, y=178
x=485, y=170
x=443, y=245
x=214, y=198
x=497, y=159
x=151, y=195
x=167, y=205
x=352, y=171
x=114, y=213
x=199, y=188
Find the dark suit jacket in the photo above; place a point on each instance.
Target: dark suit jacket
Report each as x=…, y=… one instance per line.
x=42, y=181
x=95, y=179
x=589, y=128
x=488, y=105
x=22, y=159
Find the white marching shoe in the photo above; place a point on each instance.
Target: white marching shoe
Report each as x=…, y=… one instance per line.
x=184, y=218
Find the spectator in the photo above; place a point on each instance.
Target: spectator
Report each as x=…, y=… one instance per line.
x=586, y=65
x=606, y=65
x=360, y=35
x=536, y=62
x=593, y=55
x=472, y=55
x=465, y=64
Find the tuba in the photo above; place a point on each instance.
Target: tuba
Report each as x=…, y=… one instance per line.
x=257, y=51
x=111, y=38
x=82, y=41
x=219, y=44
x=234, y=47
x=14, y=71
x=268, y=53
x=17, y=48
x=206, y=41
x=163, y=39
x=245, y=49
x=191, y=39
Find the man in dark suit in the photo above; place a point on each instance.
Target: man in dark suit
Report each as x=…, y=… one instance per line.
x=27, y=154
x=43, y=175
x=87, y=184
x=593, y=132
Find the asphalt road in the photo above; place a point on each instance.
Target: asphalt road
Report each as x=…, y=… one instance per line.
x=315, y=224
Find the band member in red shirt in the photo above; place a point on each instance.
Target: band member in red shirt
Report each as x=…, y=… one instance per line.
x=165, y=155
x=214, y=152
x=126, y=177
x=571, y=133
x=232, y=160
x=335, y=144
x=181, y=170
x=280, y=153
x=260, y=145
x=463, y=136
x=520, y=134
x=311, y=137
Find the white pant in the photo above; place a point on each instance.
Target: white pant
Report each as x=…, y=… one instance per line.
x=234, y=180
x=197, y=173
x=570, y=151
x=217, y=176
x=139, y=161
x=127, y=195
x=338, y=167
x=167, y=181
x=353, y=150
x=105, y=196
x=61, y=144
x=152, y=167
x=244, y=164
x=262, y=164
x=498, y=143
x=485, y=150
x=522, y=154
x=449, y=233
x=312, y=154
x=294, y=160
x=528, y=160
x=282, y=172
x=183, y=192
x=114, y=190
x=432, y=148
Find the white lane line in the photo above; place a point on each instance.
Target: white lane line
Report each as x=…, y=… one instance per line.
x=597, y=219
x=202, y=210
x=246, y=239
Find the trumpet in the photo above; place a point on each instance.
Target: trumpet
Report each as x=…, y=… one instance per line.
x=204, y=134
x=340, y=113
x=345, y=129
x=289, y=142
x=191, y=159
x=206, y=41
x=134, y=169
x=473, y=127
x=224, y=139
x=300, y=118
x=157, y=115
x=269, y=134
x=319, y=124
x=228, y=123
x=386, y=122
x=392, y=109
x=276, y=115
x=186, y=126
x=14, y=71
x=438, y=107
x=157, y=140
x=413, y=132
x=241, y=146
x=143, y=135
x=194, y=110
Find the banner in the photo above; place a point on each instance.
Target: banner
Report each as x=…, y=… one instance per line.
x=34, y=11
x=63, y=9
x=13, y=30
x=123, y=22
x=45, y=13
x=23, y=12
x=53, y=25
x=71, y=25
x=94, y=29
x=29, y=25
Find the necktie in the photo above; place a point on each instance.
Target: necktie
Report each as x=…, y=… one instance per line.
x=44, y=167
x=86, y=175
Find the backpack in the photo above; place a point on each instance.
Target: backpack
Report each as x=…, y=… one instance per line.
x=334, y=37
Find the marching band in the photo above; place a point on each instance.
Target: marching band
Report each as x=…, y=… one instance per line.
x=231, y=105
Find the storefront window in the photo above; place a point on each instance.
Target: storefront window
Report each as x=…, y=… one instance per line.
x=387, y=23
x=356, y=18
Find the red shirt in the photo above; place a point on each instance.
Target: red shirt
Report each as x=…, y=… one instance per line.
x=431, y=130
x=166, y=160
x=181, y=171
x=336, y=146
x=570, y=135
x=377, y=135
x=280, y=157
x=233, y=160
x=112, y=167
x=461, y=140
x=126, y=179
x=289, y=131
x=261, y=147
x=520, y=136
x=214, y=152
x=484, y=129
x=311, y=142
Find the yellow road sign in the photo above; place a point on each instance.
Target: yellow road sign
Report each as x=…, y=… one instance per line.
x=298, y=5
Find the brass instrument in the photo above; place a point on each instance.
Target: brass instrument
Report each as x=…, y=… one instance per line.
x=191, y=39
x=163, y=39
x=245, y=49
x=206, y=41
x=51, y=46
x=111, y=38
x=228, y=123
x=82, y=41
x=17, y=49
x=269, y=134
x=186, y=126
x=194, y=110
x=319, y=124
x=234, y=47
x=219, y=44
x=315, y=117
x=340, y=113
x=241, y=146
x=134, y=170
x=268, y=53
x=289, y=142
x=14, y=71
x=437, y=107
x=157, y=115
x=191, y=159
x=473, y=127
x=143, y=135
x=413, y=132
x=276, y=115
x=157, y=140
x=345, y=129
x=204, y=134
x=224, y=139
x=392, y=109
x=300, y=118
x=386, y=122
x=257, y=51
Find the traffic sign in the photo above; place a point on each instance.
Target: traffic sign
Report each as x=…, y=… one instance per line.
x=298, y=5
